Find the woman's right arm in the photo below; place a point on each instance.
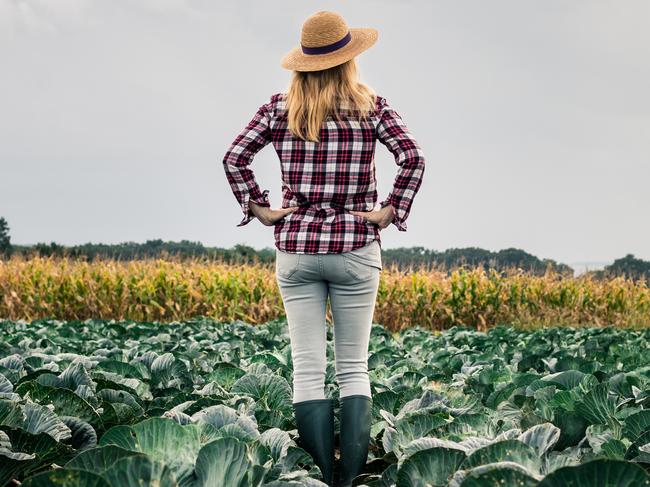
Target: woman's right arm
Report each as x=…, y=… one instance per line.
x=393, y=133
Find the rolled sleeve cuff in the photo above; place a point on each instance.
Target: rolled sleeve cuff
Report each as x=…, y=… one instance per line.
x=261, y=199
x=398, y=216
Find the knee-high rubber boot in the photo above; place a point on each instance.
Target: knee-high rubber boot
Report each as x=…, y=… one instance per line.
x=355, y=420
x=315, y=422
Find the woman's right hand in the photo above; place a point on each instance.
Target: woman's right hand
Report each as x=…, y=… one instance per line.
x=268, y=216
x=381, y=217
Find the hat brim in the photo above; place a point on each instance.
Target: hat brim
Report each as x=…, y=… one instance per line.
x=362, y=39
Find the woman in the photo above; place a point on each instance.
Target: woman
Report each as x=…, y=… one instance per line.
x=324, y=130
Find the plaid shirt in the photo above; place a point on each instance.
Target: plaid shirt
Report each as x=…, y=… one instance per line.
x=328, y=178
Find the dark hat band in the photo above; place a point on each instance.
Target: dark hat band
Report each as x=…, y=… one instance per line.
x=329, y=47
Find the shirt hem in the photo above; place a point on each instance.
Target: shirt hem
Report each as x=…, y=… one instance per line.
x=356, y=245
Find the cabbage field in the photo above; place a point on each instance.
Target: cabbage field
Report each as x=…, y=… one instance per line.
x=204, y=403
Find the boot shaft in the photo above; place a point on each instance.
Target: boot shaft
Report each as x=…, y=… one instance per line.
x=355, y=423
x=315, y=424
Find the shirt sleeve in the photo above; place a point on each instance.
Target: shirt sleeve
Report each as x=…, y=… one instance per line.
x=393, y=133
x=240, y=155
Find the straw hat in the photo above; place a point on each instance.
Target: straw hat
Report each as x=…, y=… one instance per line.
x=327, y=41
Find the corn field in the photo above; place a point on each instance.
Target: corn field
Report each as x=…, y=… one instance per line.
x=168, y=290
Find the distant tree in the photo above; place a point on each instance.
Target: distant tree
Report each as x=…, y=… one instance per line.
x=630, y=267
x=472, y=257
x=5, y=239
x=403, y=257
x=51, y=249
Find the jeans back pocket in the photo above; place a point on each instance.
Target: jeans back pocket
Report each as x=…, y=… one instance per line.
x=286, y=263
x=357, y=269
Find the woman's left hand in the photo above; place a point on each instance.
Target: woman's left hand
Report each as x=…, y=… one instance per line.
x=382, y=217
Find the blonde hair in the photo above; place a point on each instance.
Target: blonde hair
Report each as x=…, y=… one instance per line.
x=313, y=95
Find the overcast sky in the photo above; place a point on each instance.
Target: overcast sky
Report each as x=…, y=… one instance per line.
x=534, y=117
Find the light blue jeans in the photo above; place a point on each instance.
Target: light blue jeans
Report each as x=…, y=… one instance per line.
x=351, y=280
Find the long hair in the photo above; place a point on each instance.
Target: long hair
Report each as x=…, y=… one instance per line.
x=315, y=95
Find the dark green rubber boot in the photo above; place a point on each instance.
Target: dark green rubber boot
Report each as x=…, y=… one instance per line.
x=355, y=419
x=315, y=422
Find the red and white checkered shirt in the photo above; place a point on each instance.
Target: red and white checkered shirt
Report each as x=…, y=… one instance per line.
x=326, y=179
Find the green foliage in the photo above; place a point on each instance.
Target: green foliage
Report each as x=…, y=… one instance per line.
x=628, y=266
x=205, y=403
x=473, y=257
x=402, y=257
x=5, y=239
x=157, y=248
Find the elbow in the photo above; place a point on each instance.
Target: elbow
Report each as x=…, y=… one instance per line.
x=413, y=158
x=420, y=163
x=230, y=162
x=417, y=163
x=226, y=160
x=419, y=158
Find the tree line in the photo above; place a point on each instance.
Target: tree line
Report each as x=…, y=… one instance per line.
x=404, y=257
